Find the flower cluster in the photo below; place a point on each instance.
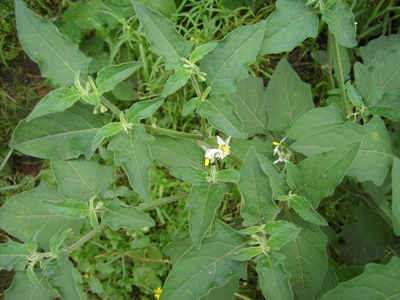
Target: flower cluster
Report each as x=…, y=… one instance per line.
x=278, y=150
x=221, y=152
x=158, y=292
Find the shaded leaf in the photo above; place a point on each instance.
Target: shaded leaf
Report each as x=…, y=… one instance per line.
x=189, y=173
x=396, y=196
x=13, y=255
x=132, y=152
x=388, y=106
x=225, y=292
x=374, y=229
x=276, y=177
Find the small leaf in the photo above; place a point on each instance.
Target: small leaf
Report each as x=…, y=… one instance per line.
x=68, y=208
x=13, y=256
x=108, y=77
x=376, y=282
x=202, y=204
x=388, y=106
x=59, y=273
x=176, y=81
x=228, y=62
x=55, y=101
x=119, y=216
x=291, y=23
x=164, y=39
x=276, y=177
x=202, y=50
x=221, y=113
x=94, y=221
x=62, y=135
x=143, y=109
x=57, y=240
x=396, y=196
x=188, y=173
x=254, y=185
x=281, y=233
x=273, y=278
x=341, y=23
x=106, y=131
x=228, y=175
x=132, y=152
x=81, y=179
x=305, y=210
x=251, y=105
x=58, y=58
x=246, y=253
x=190, y=106
x=32, y=275
x=353, y=95
x=290, y=97
x=199, y=270
x=317, y=176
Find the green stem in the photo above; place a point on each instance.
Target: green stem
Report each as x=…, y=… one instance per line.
x=173, y=133
x=339, y=71
x=200, y=95
x=86, y=238
x=110, y=106
x=330, y=62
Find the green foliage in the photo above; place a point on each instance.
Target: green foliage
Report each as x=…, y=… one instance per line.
x=171, y=165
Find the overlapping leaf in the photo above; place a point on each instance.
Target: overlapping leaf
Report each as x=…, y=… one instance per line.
x=58, y=58
x=143, y=109
x=13, y=255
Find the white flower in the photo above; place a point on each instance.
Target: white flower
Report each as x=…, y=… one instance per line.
x=282, y=155
x=221, y=152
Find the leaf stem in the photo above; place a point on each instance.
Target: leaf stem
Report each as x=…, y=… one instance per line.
x=110, y=106
x=173, y=132
x=200, y=95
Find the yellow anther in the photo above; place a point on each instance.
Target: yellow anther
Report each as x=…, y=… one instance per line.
x=275, y=143
x=207, y=162
x=225, y=148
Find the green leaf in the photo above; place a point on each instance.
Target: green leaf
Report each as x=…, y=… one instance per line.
x=202, y=50
x=58, y=58
x=396, y=196
x=353, y=95
x=316, y=120
x=202, y=204
x=317, y=176
x=59, y=273
x=55, y=101
x=108, y=77
x=341, y=23
x=174, y=152
x=306, y=260
x=176, y=81
x=189, y=173
x=221, y=113
x=62, y=135
x=291, y=23
x=164, y=39
x=388, y=107
x=374, y=156
x=228, y=62
x=254, y=185
x=178, y=248
x=81, y=179
x=225, y=292
x=106, y=131
x=276, y=177
x=273, y=278
x=374, y=229
x=68, y=208
x=290, y=97
x=27, y=212
x=143, y=109
x=377, y=282
x=199, y=270
x=57, y=240
x=23, y=288
x=190, y=106
x=13, y=256
x=119, y=216
x=305, y=210
x=132, y=152
x=281, y=233
x=251, y=105
x=247, y=253
x=262, y=146
x=371, y=52
x=228, y=175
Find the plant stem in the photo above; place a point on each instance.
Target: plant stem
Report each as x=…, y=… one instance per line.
x=200, y=95
x=110, y=106
x=339, y=71
x=192, y=136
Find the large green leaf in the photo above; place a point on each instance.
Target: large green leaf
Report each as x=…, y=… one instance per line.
x=108, y=77
x=13, y=255
x=164, y=39
x=341, y=23
x=59, y=273
x=25, y=213
x=228, y=62
x=317, y=176
x=199, y=270
x=254, y=185
x=174, y=152
x=81, y=179
x=306, y=260
x=289, y=97
x=221, y=113
x=132, y=152
x=118, y=215
x=55, y=101
x=202, y=204
x=59, y=59
x=377, y=282
x=396, y=196
x=374, y=156
x=251, y=105
x=316, y=120
x=273, y=278
x=224, y=292
x=62, y=135
x=288, y=25
x=23, y=288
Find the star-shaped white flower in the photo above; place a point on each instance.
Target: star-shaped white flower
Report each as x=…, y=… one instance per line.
x=221, y=152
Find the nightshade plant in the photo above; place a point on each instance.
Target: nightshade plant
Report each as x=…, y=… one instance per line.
x=293, y=164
